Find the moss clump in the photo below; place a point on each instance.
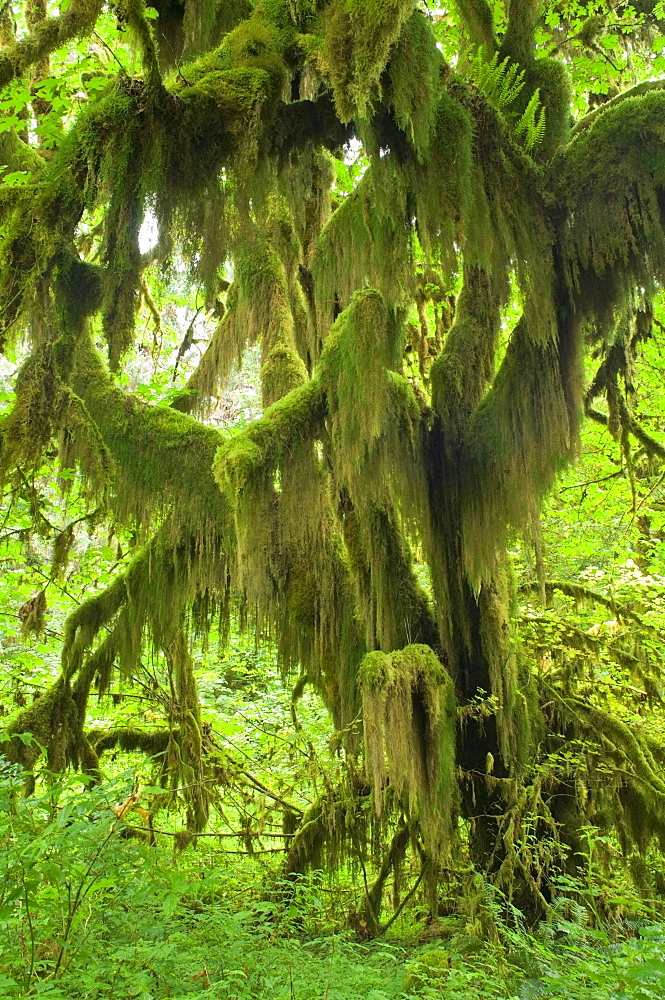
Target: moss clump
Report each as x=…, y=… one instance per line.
x=430, y=969
x=414, y=73
x=281, y=371
x=410, y=724
x=551, y=78
x=358, y=38
x=54, y=722
x=608, y=178
x=257, y=44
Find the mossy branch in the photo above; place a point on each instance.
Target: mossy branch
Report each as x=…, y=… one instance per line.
x=295, y=418
x=47, y=36
x=579, y=593
x=478, y=20
x=649, y=443
x=163, y=458
x=134, y=11
x=641, y=88
x=130, y=739
x=519, y=39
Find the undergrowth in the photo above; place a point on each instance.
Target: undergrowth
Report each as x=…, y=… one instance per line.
x=86, y=912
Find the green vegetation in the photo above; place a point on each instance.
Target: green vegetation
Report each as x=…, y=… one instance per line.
x=331, y=499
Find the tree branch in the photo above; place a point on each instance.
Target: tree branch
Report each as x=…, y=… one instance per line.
x=642, y=88
x=653, y=447
x=162, y=458
x=477, y=18
x=47, y=36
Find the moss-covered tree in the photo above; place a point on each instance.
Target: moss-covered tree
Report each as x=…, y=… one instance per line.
x=486, y=184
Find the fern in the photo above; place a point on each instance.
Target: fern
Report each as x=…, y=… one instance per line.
x=532, y=122
x=501, y=83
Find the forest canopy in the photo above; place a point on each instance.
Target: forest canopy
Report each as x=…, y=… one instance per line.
x=440, y=234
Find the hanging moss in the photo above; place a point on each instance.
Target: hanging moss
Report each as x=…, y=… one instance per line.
x=609, y=177
x=314, y=515
x=521, y=433
x=366, y=242
x=265, y=277
x=122, y=255
x=461, y=373
x=32, y=614
x=28, y=427
x=634, y=803
x=52, y=720
x=189, y=773
x=357, y=43
x=153, y=448
x=392, y=604
x=410, y=722
x=225, y=348
x=414, y=72
x=364, y=343
x=205, y=23
x=444, y=190
x=478, y=19
x=258, y=44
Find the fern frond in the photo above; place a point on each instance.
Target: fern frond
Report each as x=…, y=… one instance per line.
x=499, y=82
x=532, y=122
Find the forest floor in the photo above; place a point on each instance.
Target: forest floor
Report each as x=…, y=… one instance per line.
x=87, y=914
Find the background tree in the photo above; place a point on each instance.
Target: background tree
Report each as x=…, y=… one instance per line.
x=495, y=232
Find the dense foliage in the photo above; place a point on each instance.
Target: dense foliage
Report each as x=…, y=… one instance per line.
x=357, y=610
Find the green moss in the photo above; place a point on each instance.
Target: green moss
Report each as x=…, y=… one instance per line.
x=551, y=78
x=414, y=72
x=518, y=437
x=257, y=44
x=130, y=739
x=358, y=38
x=519, y=39
x=363, y=344
x=162, y=458
x=410, y=724
x=608, y=178
x=53, y=720
x=478, y=19
x=133, y=13
x=433, y=967
x=245, y=468
x=461, y=373
x=369, y=240
x=365, y=243
x=292, y=418
x=281, y=371
x=374, y=670
x=46, y=36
